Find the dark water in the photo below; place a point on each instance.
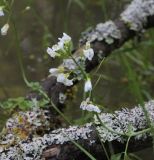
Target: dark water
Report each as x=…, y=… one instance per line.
x=40, y=27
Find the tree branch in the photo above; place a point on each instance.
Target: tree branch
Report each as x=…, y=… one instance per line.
x=58, y=144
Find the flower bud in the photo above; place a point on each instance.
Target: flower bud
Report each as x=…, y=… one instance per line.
x=4, y=29
x=88, y=86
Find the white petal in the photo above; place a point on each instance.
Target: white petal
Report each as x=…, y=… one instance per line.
x=1, y=12
x=61, y=78
x=66, y=37
x=51, y=52
x=88, y=86
x=69, y=64
x=88, y=53
x=4, y=29
x=68, y=82
x=56, y=47
x=54, y=71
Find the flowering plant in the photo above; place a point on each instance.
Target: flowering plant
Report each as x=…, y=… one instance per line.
x=73, y=65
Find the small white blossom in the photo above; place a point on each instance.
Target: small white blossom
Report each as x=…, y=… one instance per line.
x=69, y=64
x=62, y=41
x=1, y=11
x=54, y=71
x=88, y=52
x=27, y=8
x=62, y=78
x=88, y=86
x=65, y=38
x=88, y=106
x=68, y=82
x=51, y=52
x=1, y=149
x=4, y=29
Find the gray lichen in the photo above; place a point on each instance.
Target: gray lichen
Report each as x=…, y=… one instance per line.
x=135, y=16
x=107, y=31
x=33, y=149
x=121, y=121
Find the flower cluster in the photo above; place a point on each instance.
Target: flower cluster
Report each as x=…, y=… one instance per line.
x=63, y=78
x=88, y=52
x=89, y=106
x=71, y=65
x=61, y=47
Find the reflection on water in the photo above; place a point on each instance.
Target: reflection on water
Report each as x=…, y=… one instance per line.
x=41, y=26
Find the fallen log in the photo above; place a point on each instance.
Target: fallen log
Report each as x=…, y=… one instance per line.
x=58, y=144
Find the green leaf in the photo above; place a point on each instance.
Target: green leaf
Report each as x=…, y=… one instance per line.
x=116, y=156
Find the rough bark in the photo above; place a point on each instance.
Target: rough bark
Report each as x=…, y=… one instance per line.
x=58, y=144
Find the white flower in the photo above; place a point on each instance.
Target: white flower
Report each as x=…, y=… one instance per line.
x=56, y=47
x=65, y=38
x=51, y=52
x=54, y=71
x=62, y=41
x=27, y=8
x=88, y=53
x=68, y=82
x=88, y=106
x=88, y=85
x=69, y=64
x=62, y=78
x=1, y=11
x=4, y=29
